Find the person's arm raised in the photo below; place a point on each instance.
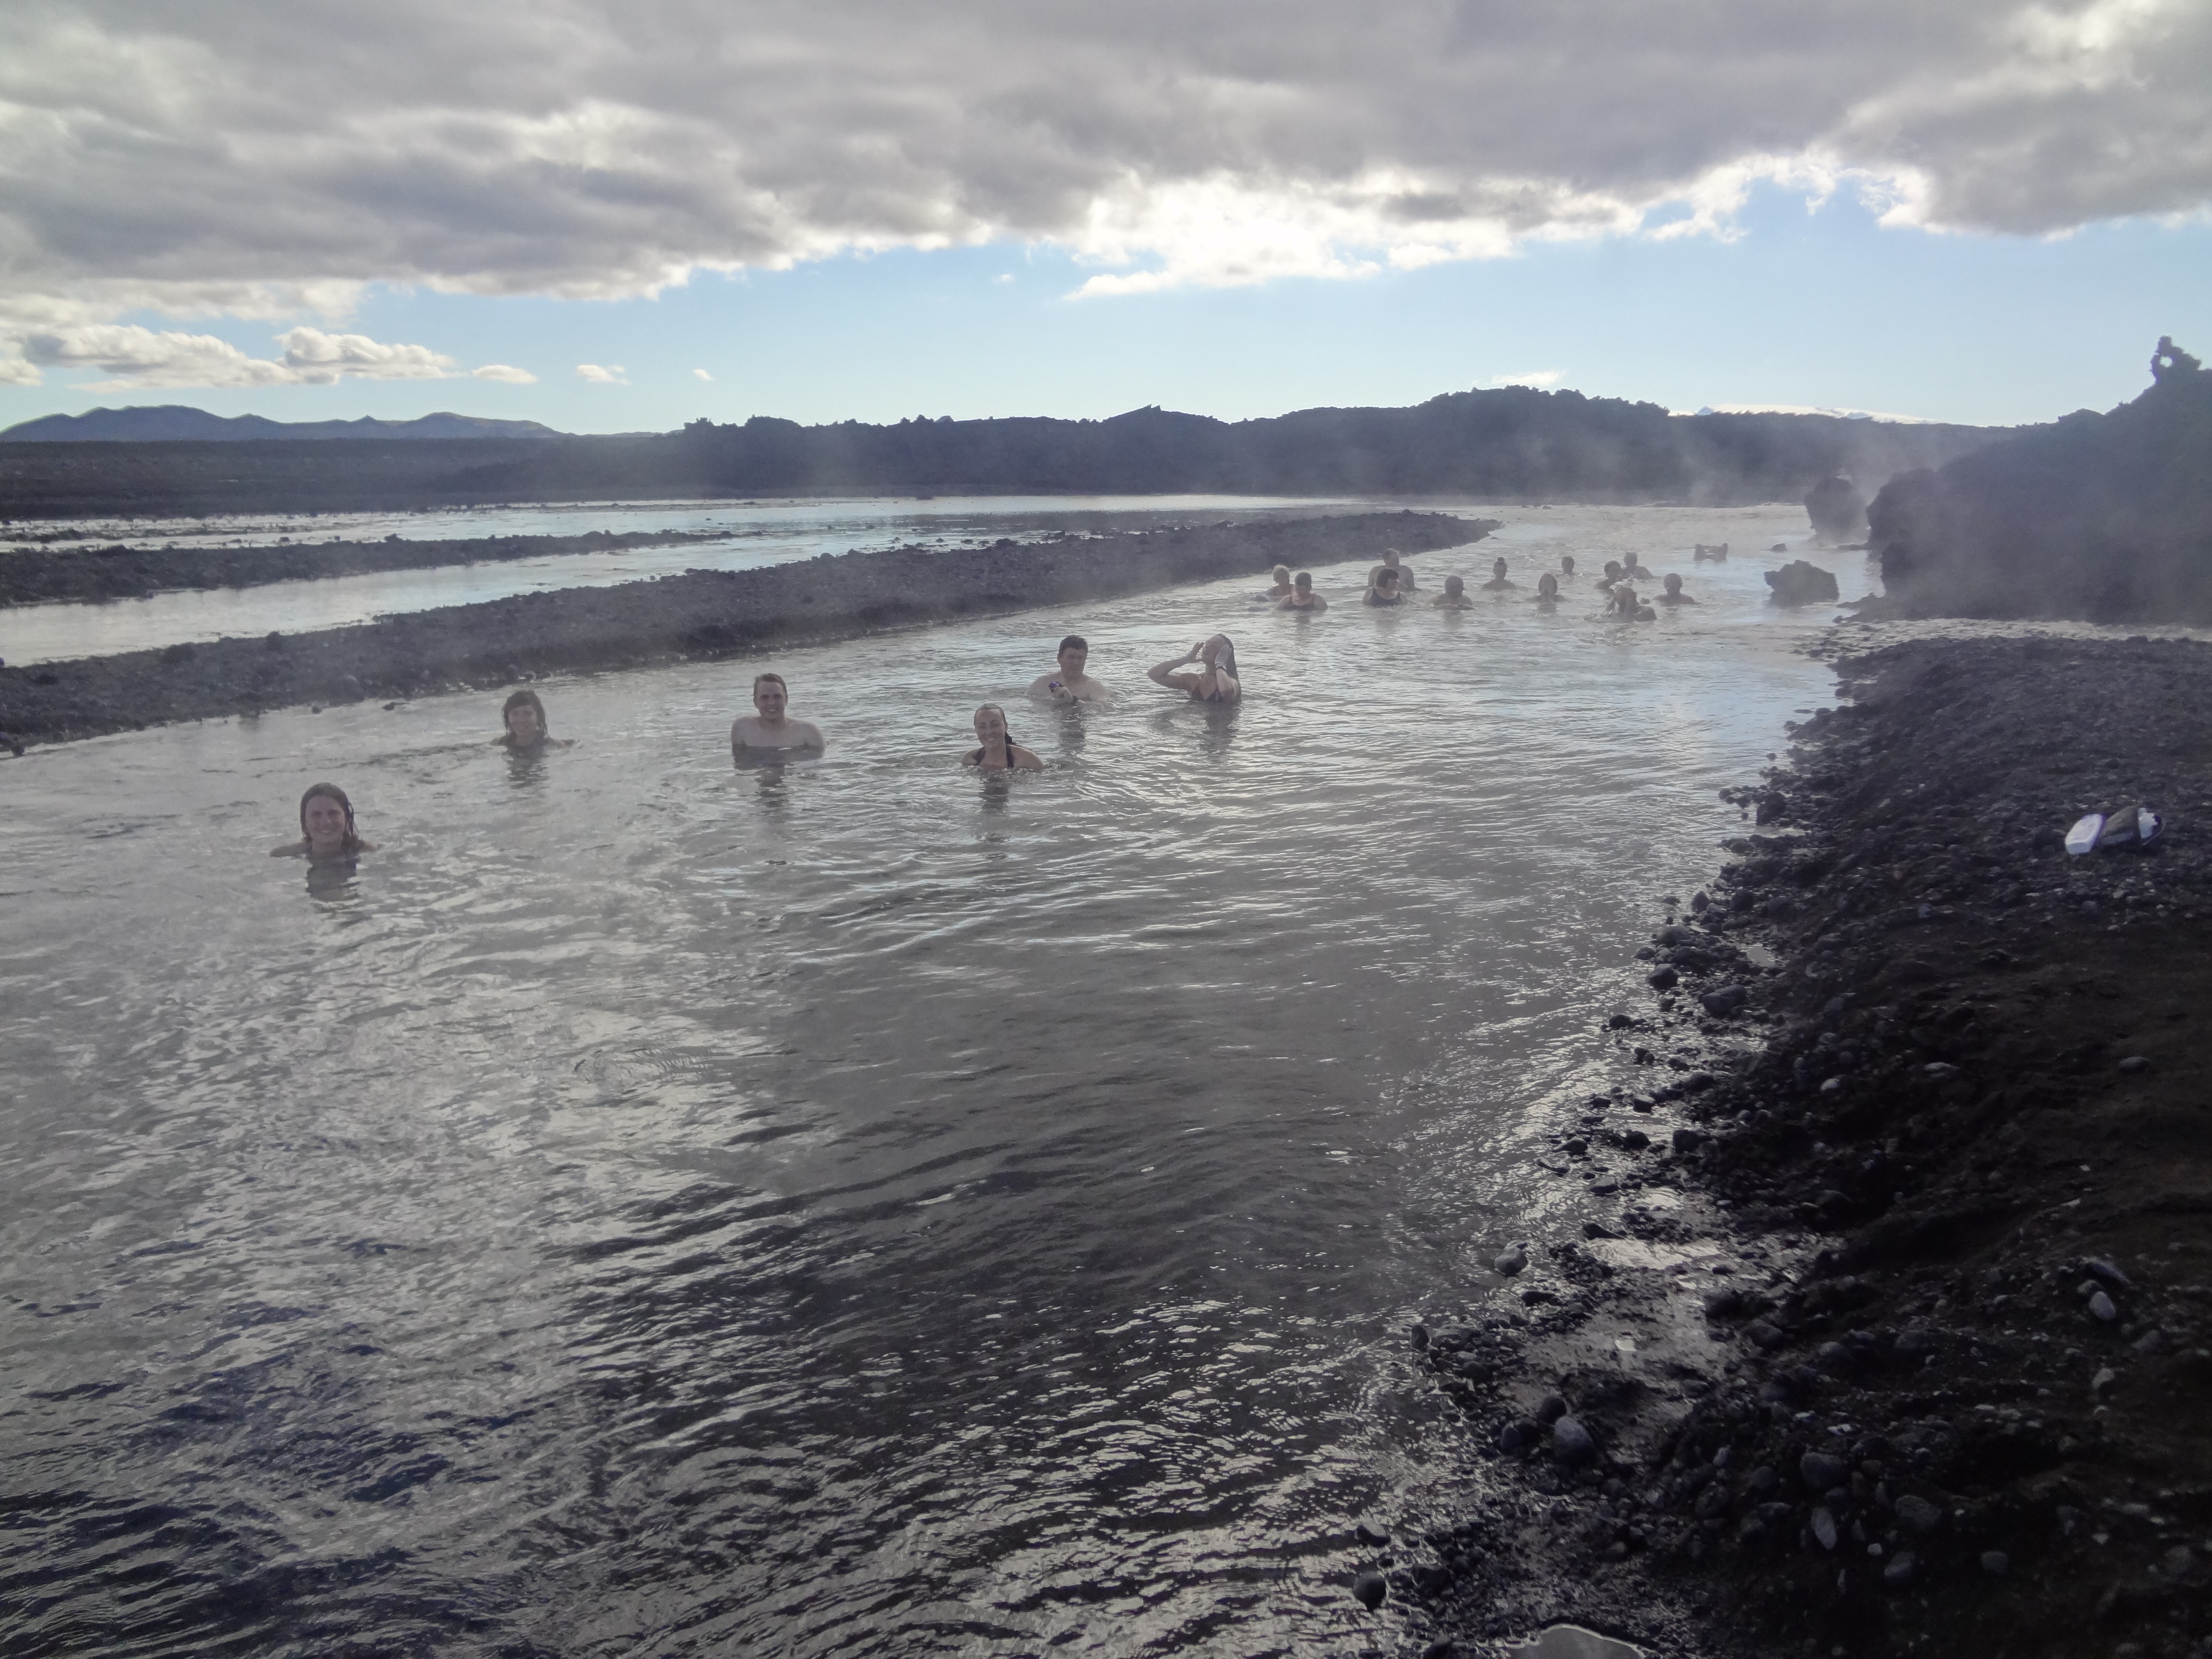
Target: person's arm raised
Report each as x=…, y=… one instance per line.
x=1160, y=674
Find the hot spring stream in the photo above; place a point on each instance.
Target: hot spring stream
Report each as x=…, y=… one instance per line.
x=659, y=1209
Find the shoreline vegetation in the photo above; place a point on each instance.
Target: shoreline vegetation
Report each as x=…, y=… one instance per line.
x=94, y=574
x=1510, y=444
x=1884, y=1325
x=700, y=615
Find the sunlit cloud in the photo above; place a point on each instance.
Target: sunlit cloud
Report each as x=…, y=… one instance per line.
x=701, y=374
x=602, y=375
x=1535, y=377
x=507, y=373
x=133, y=356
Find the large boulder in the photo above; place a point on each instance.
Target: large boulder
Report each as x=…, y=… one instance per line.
x=1800, y=583
x=2103, y=518
x=1837, y=510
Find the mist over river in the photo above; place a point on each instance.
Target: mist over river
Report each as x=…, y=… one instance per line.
x=654, y=1208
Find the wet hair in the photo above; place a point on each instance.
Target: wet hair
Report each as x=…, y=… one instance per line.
x=1498, y=564
x=1304, y=579
x=1567, y=563
x=524, y=699
x=1073, y=642
x=1229, y=653
x=1612, y=565
x=1547, y=583
x=1383, y=573
x=778, y=678
x=1455, y=584
x=1002, y=721
x=1671, y=581
x=333, y=792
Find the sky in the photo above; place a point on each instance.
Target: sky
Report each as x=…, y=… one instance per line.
x=621, y=218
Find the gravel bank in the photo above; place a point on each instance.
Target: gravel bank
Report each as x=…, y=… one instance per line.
x=91, y=573
x=700, y=614
x=1885, y=1324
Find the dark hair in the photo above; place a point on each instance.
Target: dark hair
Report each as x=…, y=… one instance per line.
x=980, y=748
x=778, y=678
x=524, y=699
x=1386, y=572
x=1228, y=650
x=1304, y=579
x=1073, y=642
x=331, y=790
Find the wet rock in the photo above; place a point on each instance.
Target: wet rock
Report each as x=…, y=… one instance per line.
x=2100, y=1306
x=1799, y=582
x=1418, y=1336
x=1995, y=1563
x=1370, y=1536
x=2103, y=1379
x=1431, y=1581
x=1824, y=1526
x=1686, y=1139
x=1550, y=1409
x=1663, y=979
x=2109, y=1272
x=1635, y=1140
x=1571, y=1443
x=1510, y=1260
x=1725, y=1001
x=1898, y=1573
x=1369, y=1588
x=2135, y=1062
x=1761, y=1334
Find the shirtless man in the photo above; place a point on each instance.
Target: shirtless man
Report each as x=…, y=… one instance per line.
x=1498, y=581
x=1406, y=582
x=1071, y=684
x=1675, y=595
x=1454, y=598
x=1635, y=572
x=771, y=731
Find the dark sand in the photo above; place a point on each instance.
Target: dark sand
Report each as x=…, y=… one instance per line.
x=1968, y=1097
x=700, y=614
x=91, y=573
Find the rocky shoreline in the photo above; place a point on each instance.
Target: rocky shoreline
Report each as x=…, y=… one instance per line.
x=702, y=613
x=1884, y=1326
x=84, y=574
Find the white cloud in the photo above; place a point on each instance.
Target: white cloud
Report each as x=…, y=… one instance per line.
x=506, y=372
x=602, y=375
x=191, y=159
x=1535, y=377
x=701, y=373
x=1812, y=409
x=14, y=370
x=133, y=356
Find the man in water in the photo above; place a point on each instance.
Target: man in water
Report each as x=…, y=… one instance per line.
x=1071, y=684
x=1406, y=582
x=1635, y=572
x=1454, y=598
x=771, y=731
x=1382, y=587
x=1675, y=595
x=1498, y=581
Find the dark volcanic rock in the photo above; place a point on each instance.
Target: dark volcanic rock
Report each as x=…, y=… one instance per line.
x=2106, y=517
x=1799, y=582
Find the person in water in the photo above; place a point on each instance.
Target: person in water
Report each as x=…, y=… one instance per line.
x=1498, y=581
x=1382, y=587
x=524, y=716
x=1675, y=595
x=1566, y=567
x=1635, y=572
x=1302, y=595
x=1454, y=598
x=1390, y=562
x=770, y=730
x=327, y=835
x=1281, y=590
x=997, y=751
x=1626, y=607
x=1613, y=574
x=1215, y=679
x=1071, y=684
x=1548, y=589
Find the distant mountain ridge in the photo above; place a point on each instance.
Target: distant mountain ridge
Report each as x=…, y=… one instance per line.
x=180, y=423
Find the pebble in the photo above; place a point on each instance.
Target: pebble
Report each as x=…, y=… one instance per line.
x=1370, y=1535
x=2135, y=1063
x=1918, y=1514
x=1725, y=1001
x=1663, y=979
x=1550, y=1409
x=1571, y=1443
x=1821, y=1472
x=1369, y=1590
x=2101, y=1306
x=1995, y=1563
x=2103, y=1379
x=1764, y=1335
x=1511, y=1260
x=1824, y=1527
x=1898, y=1573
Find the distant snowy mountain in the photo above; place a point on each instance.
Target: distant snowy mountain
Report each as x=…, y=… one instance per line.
x=177, y=423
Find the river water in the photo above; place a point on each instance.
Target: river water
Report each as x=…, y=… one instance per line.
x=653, y=1208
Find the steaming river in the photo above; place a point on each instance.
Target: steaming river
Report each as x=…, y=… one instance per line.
x=657, y=1209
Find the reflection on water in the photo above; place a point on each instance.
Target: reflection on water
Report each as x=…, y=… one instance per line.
x=842, y=1208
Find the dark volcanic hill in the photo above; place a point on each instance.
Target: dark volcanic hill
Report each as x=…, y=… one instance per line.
x=179, y=423
x=2102, y=517
x=1512, y=444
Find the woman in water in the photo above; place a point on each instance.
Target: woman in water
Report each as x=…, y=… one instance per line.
x=1281, y=590
x=1675, y=595
x=1499, y=581
x=1302, y=595
x=997, y=751
x=1548, y=589
x=1215, y=680
x=1454, y=598
x=1566, y=567
x=326, y=828
x=524, y=716
x=1382, y=587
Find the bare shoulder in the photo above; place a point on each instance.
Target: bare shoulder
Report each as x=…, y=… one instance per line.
x=290, y=849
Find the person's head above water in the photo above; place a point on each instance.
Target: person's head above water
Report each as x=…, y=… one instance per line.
x=1566, y=564
x=1497, y=566
x=1281, y=573
x=1390, y=557
x=1303, y=581
x=1074, y=651
x=991, y=726
x=1455, y=584
x=770, y=696
x=1547, y=587
x=1613, y=569
x=326, y=826
x=524, y=716
x=1673, y=583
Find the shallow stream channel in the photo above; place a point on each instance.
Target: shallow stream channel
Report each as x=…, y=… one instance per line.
x=657, y=1208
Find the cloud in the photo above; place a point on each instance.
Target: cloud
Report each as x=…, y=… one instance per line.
x=133, y=356
x=701, y=373
x=1812, y=409
x=1535, y=377
x=506, y=372
x=14, y=370
x=192, y=159
x=599, y=376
